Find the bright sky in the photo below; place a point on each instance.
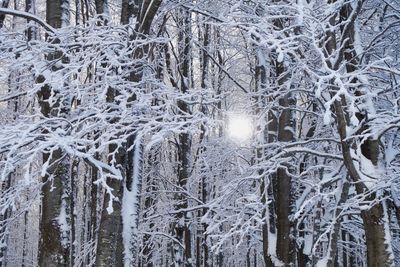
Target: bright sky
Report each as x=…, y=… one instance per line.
x=239, y=128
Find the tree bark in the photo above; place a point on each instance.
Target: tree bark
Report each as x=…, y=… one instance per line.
x=110, y=246
x=30, y=7
x=102, y=10
x=284, y=244
x=110, y=250
x=373, y=218
x=4, y=4
x=4, y=186
x=377, y=249
x=334, y=235
x=130, y=8
x=203, y=250
x=54, y=245
x=266, y=136
x=182, y=255
x=148, y=12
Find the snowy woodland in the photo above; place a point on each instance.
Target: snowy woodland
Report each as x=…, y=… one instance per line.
x=200, y=133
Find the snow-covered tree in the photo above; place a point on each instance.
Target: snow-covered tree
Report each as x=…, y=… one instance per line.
x=199, y=133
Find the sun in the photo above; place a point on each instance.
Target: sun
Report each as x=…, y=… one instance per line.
x=239, y=128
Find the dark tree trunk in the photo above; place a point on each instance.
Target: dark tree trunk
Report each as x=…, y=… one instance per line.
x=150, y=196
x=284, y=245
x=334, y=235
x=94, y=207
x=281, y=127
x=110, y=246
x=54, y=245
x=73, y=191
x=260, y=88
x=182, y=256
x=130, y=8
x=30, y=7
x=25, y=239
x=203, y=250
x=4, y=4
x=110, y=250
x=5, y=186
x=101, y=7
x=377, y=249
x=147, y=14
x=54, y=12
x=373, y=219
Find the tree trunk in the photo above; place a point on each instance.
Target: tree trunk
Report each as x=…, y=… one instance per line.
x=110, y=250
x=260, y=88
x=373, y=219
x=30, y=6
x=111, y=245
x=131, y=202
x=5, y=186
x=147, y=14
x=54, y=245
x=182, y=255
x=130, y=8
x=334, y=235
x=94, y=208
x=102, y=7
x=283, y=126
x=151, y=191
x=284, y=243
x=4, y=4
x=203, y=251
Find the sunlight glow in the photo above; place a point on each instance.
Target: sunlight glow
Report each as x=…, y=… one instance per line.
x=239, y=128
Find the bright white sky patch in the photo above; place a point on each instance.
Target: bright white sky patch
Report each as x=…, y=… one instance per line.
x=239, y=127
